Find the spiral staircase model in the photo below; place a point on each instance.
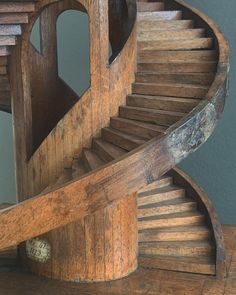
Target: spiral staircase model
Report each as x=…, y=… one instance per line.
x=177, y=96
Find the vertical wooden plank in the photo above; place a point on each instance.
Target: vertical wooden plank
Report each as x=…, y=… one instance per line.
x=109, y=247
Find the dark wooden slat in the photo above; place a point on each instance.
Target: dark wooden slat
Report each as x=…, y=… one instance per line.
x=174, y=90
x=150, y=115
x=176, y=233
x=13, y=18
x=183, y=264
x=16, y=7
x=107, y=151
x=177, y=219
x=150, y=6
x=176, y=56
x=160, y=35
x=198, y=43
x=137, y=128
x=91, y=160
x=176, y=78
x=120, y=139
x=188, y=248
x=178, y=67
x=173, y=104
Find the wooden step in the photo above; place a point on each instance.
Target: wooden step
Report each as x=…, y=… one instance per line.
x=178, y=67
x=201, y=265
x=159, y=15
x=13, y=18
x=120, y=139
x=165, y=181
x=185, y=248
x=178, y=233
x=169, y=220
x=150, y=6
x=4, y=51
x=78, y=168
x=107, y=151
x=7, y=40
x=10, y=30
x=167, y=207
x=174, y=104
x=160, y=194
x=185, y=44
x=204, y=79
x=176, y=56
x=3, y=71
x=173, y=90
x=159, y=35
x=17, y=7
x=91, y=160
x=166, y=118
x=164, y=25
x=137, y=128
x=3, y=62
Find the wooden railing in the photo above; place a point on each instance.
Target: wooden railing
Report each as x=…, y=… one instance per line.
x=98, y=189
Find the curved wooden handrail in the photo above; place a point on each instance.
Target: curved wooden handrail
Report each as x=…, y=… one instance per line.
x=206, y=206
x=133, y=171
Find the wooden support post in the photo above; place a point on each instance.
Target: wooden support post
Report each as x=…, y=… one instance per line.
x=101, y=247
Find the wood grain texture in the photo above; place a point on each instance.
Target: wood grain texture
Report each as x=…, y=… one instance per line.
x=143, y=281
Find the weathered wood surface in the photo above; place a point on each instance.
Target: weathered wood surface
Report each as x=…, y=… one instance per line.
x=158, y=156
x=207, y=208
x=148, y=282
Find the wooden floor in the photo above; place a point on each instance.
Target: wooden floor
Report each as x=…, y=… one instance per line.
x=141, y=282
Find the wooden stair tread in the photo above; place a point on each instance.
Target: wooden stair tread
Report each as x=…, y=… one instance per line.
x=155, y=35
x=160, y=117
x=164, y=25
x=8, y=30
x=166, y=188
x=157, y=209
x=164, y=181
x=107, y=151
x=178, y=90
x=177, y=67
x=149, y=6
x=176, y=229
x=199, y=264
x=183, y=44
x=17, y=7
x=159, y=15
x=78, y=167
x=138, y=128
x=177, y=201
x=204, y=79
x=13, y=18
x=91, y=160
x=175, y=56
x=166, y=103
x=121, y=139
x=193, y=213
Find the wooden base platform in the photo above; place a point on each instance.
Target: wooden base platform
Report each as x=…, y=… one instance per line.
x=155, y=282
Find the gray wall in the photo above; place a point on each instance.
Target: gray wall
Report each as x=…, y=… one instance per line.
x=213, y=166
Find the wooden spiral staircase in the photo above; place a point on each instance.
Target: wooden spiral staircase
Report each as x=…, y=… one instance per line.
x=177, y=96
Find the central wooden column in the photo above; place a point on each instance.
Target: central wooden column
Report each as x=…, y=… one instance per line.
x=101, y=247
